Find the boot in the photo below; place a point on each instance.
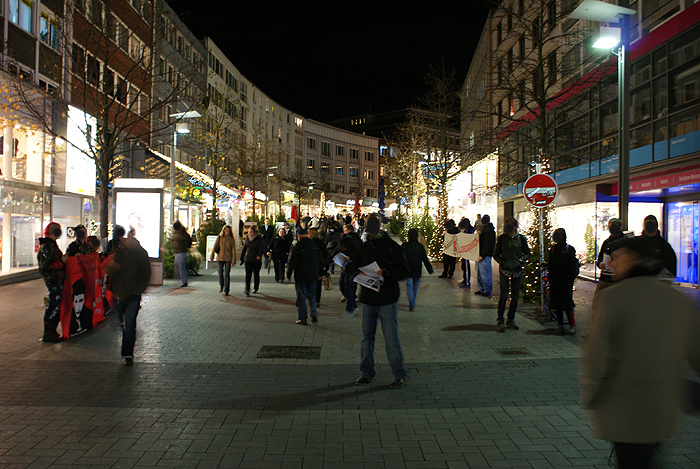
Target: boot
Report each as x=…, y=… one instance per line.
x=50, y=334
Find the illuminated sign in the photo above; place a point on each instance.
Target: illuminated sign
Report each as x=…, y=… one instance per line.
x=141, y=211
x=81, y=172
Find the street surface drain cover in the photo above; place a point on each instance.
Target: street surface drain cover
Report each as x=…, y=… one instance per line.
x=512, y=352
x=519, y=364
x=289, y=351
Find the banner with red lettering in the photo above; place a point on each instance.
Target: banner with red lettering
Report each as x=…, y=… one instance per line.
x=462, y=245
x=82, y=302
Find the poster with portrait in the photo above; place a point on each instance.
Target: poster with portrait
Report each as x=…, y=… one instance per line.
x=82, y=305
x=141, y=212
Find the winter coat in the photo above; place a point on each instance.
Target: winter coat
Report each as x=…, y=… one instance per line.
x=267, y=232
x=227, y=249
x=605, y=249
x=324, y=257
x=511, y=253
x=664, y=252
x=416, y=257
x=632, y=368
x=78, y=247
x=130, y=271
x=305, y=262
x=563, y=270
x=487, y=240
x=253, y=248
x=388, y=255
x=51, y=266
x=279, y=248
x=181, y=241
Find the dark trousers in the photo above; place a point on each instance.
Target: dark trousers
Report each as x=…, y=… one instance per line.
x=448, y=265
x=319, y=288
x=634, y=456
x=52, y=314
x=512, y=286
x=252, y=269
x=349, y=289
x=224, y=269
x=279, y=268
x=127, y=311
x=466, y=271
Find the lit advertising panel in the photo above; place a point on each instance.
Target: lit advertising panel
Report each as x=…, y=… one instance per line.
x=141, y=211
x=81, y=173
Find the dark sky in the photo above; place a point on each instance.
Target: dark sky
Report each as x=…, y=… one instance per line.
x=339, y=58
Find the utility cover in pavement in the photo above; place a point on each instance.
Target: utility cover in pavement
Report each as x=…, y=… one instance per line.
x=512, y=352
x=289, y=351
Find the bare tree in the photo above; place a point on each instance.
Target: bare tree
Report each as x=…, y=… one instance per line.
x=401, y=169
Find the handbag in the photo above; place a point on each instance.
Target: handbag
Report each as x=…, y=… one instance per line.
x=328, y=282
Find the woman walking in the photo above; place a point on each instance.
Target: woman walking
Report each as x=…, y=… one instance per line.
x=415, y=256
x=279, y=253
x=251, y=256
x=225, y=249
x=563, y=270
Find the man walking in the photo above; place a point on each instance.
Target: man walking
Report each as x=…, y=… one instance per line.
x=267, y=232
x=663, y=250
x=306, y=263
x=349, y=245
x=130, y=271
x=181, y=245
x=511, y=253
x=615, y=230
x=487, y=241
x=381, y=305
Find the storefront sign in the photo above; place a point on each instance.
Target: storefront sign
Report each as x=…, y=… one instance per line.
x=663, y=182
x=81, y=172
x=141, y=211
x=540, y=190
x=462, y=245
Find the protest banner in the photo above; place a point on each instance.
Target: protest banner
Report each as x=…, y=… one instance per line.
x=82, y=306
x=462, y=245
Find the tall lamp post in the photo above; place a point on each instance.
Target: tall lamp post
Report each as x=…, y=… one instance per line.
x=617, y=39
x=180, y=128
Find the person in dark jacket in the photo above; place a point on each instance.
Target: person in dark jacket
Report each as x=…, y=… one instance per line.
x=381, y=305
x=181, y=246
x=52, y=269
x=511, y=253
x=348, y=245
x=416, y=257
x=130, y=270
x=487, y=241
x=664, y=251
x=80, y=245
x=563, y=270
x=267, y=232
x=615, y=230
x=306, y=263
x=449, y=262
x=465, y=226
x=251, y=256
x=279, y=253
x=316, y=238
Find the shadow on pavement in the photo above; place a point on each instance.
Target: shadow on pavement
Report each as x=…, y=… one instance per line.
x=542, y=332
x=472, y=327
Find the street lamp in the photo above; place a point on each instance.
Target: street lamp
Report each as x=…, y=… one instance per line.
x=616, y=37
x=180, y=128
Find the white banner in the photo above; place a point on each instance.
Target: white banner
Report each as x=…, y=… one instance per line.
x=462, y=245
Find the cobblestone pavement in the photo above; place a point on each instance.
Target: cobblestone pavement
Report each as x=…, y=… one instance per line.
x=198, y=397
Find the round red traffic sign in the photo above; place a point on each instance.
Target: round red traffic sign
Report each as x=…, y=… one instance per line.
x=540, y=190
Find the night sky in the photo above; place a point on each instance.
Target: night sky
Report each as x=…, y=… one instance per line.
x=339, y=58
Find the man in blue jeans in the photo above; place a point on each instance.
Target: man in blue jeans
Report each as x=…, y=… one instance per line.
x=306, y=263
x=487, y=241
x=130, y=271
x=381, y=305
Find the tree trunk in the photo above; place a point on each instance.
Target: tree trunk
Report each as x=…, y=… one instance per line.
x=213, y=207
x=104, y=202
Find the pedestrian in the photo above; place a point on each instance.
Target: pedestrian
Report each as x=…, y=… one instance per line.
x=251, y=256
x=225, y=250
x=466, y=227
x=306, y=263
x=381, y=305
x=511, y=253
x=316, y=238
x=605, y=281
x=80, y=245
x=449, y=262
x=487, y=242
x=279, y=253
x=348, y=246
x=94, y=243
x=416, y=257
x=181, y=246
x=113, y=245
x=633, y=364
x=289, y=234
x=52, y=269
x=267, y=232
x=130, y=271
x=479, y=224
x=662, y=248
x=563, y=270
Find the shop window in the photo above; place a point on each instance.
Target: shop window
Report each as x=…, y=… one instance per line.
x=660, y=140
x=24, y=209
x=660, y=61
x=685, y=86
x=660, y=98
x=608, y=148
x=640, y=107
x=640, y=137
x=608, y=114
x=579, y=132
x=685, y=123
x=593, y=119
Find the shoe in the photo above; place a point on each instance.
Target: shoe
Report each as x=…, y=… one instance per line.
x=301, y=323
x=462, y=283
x=478, y=292
x=466, y=285
x=255, y=291
x=410, y=308
x=500, y=326
x=349, y=313
x=183, y=285
x=362, y=380
x=396, y=384
x=559, y=330
x=512, y=325
x=571, y=331
x=221, y=289
x=314, y=318
x=225, y=293
x=318, y=305
x=50, y=334
x=247, y=292
x=485, y=294
x=443, y=275
x=449, y=276
x=128, y=361
x=342, y=299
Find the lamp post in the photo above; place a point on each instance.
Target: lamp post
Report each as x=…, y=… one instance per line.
x=616, y=38
x=180, y=128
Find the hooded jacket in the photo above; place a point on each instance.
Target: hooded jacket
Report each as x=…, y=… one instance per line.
x=511, y=252
x=388, y=255
x=130, y=271
x=305, y=261
x=487, y=240
x=253, y=248
x=51, y=266
x=181, y=241
x=563, y=265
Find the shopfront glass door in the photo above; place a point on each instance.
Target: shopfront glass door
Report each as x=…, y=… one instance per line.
x=683, y=225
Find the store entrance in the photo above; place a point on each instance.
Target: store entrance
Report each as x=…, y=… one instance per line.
x=683, y=222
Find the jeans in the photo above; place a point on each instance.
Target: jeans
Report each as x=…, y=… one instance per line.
x=305, y=292
x=512, y=284
x=252, y=268
x=484, y=275
x=224, y=275
x=349, y=289
x=180, y=263
x=127, y=311
x=388, y=316
x=412, y=290
x=53, y=310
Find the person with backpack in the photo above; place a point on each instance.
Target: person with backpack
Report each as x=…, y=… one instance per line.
x=511, y=253
x=181, y=246
x=563, y=270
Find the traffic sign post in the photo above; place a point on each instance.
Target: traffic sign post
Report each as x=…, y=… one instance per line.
x=540, y=190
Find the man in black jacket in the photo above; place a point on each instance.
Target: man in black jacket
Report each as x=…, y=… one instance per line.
x=487, y=242
x=267, y=232
x=511, y=253
x=615, y=230
x=306, y=263
x=381, y=305
x=664, y=251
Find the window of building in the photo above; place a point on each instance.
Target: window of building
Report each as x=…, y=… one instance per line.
x=552, y=14
x=383, y=150
x=521, y=48
x=48, y=30
x=311, y=143
x=340, y=189
x=660, y=98
x=511, y=110
x=339, y=150
x=499, y=34
x=369, y=193
x=608, y=115
x=325, y=168
x=684, y=48
x=521, y=7
x=509, y=60
x=640, y=108
x=499, y=72
x=325, y=148
x=352, y=172
x=369, y=174
x=21, y=13
x=94, y=68
x=685, y=86
x=552, y=69
x=499, y=112
x=354, y=153
x=339, y=170
x=78, y=61
x=310, y=164
x=369, y=156
x=640, y=71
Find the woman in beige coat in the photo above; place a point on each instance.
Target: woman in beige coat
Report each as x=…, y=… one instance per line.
x=642, y=333
x=225, y=249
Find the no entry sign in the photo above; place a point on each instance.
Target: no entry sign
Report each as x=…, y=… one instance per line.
x=540, y=190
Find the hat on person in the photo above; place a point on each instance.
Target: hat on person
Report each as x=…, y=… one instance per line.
x=637, y=244
x=302, y=231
